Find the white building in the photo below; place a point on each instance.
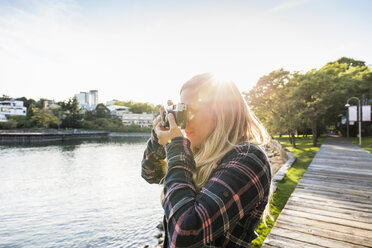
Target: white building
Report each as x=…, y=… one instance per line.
x=143, y=120
x=87, y=100
x=117, y=110
x=129, y=118
x=11, y=107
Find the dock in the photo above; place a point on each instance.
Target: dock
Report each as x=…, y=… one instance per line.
x=332, y=204
x=29, y=137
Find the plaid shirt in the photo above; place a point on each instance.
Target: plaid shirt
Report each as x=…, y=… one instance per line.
x=227, y=209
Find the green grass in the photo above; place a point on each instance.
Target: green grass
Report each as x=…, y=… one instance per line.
x=366, y=142
x=304, y=154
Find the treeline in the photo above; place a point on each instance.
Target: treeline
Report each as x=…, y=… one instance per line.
x=68, y=114
x=311, y=102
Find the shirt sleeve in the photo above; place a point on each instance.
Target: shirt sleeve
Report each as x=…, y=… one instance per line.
x=238, y=185
x=153, y=160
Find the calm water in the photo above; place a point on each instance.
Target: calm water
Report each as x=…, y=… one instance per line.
x=77, y=195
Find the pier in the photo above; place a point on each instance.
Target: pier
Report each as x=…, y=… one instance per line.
x=29, y=137
x=332, y=205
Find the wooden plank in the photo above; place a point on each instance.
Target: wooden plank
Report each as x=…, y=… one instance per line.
x=326, y=225
x=365, y=165
x=334, y=214
x=333, y=188
x=351, y=159
x=335, y=178
x=342, y=222
x=333, y=195
x=328, y=207
x=312, y=239
x=366, y=241
x=339, y=184
x=353, y=155
x=336, y=169
x=335, y=184
x=282, y=242
x=340, y=173
x=362, y=207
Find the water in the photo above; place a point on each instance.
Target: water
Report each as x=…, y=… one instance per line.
x=82, y=194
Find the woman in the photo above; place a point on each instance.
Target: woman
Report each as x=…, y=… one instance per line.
x=217, y=179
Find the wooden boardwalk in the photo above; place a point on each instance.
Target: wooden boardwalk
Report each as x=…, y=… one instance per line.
x=332, y=204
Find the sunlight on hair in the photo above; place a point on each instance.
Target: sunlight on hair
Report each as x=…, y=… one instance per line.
x=220, y=78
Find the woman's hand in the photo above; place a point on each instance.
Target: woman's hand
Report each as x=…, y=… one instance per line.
x=157, y=120
x=166, y=135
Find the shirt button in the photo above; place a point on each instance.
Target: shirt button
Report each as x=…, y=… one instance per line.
x=226, y=194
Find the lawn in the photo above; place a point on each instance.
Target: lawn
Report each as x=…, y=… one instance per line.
x=366, y=142
x=304, y=154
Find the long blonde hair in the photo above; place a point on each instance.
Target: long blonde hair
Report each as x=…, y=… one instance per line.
x=235, y=123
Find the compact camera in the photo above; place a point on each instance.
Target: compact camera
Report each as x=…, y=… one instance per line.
x=179, y=112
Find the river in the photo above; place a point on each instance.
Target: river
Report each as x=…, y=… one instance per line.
x=77, y=194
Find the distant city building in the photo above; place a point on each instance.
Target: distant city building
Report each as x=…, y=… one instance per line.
x=128, y=118
x=11, y=107
x=87, y=100
x=118, y=111
x=93, y=97
x=143, y=120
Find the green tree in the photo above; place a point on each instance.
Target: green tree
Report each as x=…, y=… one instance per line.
x=71, y=114
x=138, y=107
x=271, y=102
x=102, y=112
x=43, y=118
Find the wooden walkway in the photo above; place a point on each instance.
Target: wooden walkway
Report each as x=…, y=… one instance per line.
x=332, y=204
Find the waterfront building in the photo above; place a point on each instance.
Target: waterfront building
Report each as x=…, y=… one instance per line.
x=118, y=111
x=128, y=118
x=87, y=100
x=11, y=107
x=143, y=120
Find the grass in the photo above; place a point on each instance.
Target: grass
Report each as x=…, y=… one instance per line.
x=304, y=153
x=366, y=142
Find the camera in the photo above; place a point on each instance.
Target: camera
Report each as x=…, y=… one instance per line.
x=179, y=112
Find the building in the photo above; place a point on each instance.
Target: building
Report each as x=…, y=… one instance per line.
x=11, y=107
x=128, y=118
x=93, y=97
x=143, y=120
x=87, y=100
x=118, y=111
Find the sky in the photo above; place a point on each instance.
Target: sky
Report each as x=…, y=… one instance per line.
x=144, y=50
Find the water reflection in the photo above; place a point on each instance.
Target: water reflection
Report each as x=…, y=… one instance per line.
x=77, y=194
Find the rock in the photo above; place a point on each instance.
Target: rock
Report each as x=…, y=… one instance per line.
x=160, y=226
x=159, y=235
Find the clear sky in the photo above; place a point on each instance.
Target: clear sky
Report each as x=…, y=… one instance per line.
x=145, y=49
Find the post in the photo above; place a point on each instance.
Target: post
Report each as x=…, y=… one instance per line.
x=360, y=123
x=359, y=115
x=347, y=120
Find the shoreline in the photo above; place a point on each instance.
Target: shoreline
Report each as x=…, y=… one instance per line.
x=27, y=136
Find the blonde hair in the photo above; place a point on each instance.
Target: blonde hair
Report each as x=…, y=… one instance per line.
x=235, y=123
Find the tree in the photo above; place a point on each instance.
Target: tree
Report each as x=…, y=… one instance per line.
x=102, y=112
x=138, y=107
x=71, y=114
x=271, y=102
x=43, y=118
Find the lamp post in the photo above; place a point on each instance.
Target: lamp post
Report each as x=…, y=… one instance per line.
x=359, y=117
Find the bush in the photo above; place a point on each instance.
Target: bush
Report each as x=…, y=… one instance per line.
x=8, y=125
